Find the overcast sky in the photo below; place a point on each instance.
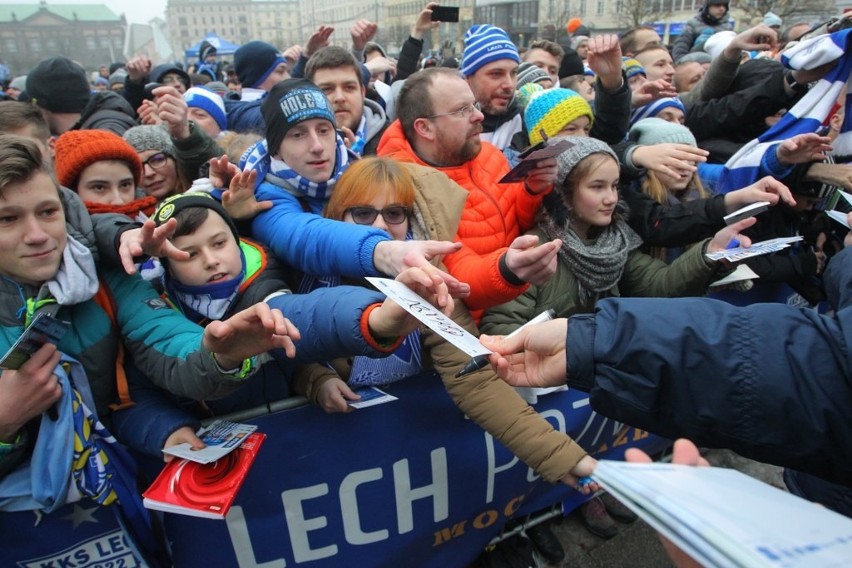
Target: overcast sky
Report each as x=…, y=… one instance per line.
x=136, y=11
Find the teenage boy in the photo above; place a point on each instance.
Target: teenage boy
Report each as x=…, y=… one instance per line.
x=334, y=70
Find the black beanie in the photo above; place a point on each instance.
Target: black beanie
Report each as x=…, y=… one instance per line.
x=171, y=206
x=254, y=62
x=59, y=85
x=571, y=64
x=160, y=71
x=290, y=102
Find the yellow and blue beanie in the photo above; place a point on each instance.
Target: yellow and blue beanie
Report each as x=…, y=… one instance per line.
x=551, y=110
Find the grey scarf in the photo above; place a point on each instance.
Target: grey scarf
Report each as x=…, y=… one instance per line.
x=598, y=264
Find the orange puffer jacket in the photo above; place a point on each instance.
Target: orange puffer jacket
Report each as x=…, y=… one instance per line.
x=494, y=215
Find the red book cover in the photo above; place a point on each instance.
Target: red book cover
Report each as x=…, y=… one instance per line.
x=203, y=490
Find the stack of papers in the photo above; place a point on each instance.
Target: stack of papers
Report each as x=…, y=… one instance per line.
x=840, y=216
x=756, y=249
x=722, y=517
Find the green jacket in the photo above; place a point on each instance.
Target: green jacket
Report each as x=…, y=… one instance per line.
x=644, y=276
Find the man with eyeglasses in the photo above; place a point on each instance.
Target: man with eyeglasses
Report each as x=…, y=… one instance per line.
x=439, y=125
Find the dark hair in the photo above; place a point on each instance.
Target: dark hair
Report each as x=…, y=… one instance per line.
x=20, y=159
x=414, y=100
x=332, y=57
x=190, y=219
x=627, y=41
x=16, y=115
x=550, y=47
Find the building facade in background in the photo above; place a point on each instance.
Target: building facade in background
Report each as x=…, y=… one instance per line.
x=91, y=34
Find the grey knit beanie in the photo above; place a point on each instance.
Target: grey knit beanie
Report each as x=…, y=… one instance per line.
x=583, y=148
x=150, y=137
x=650, y=131
x=529, y=73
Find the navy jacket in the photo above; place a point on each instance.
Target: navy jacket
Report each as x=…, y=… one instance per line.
x=769, y=381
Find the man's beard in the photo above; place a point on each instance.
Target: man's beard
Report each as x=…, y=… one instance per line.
x=468, y=151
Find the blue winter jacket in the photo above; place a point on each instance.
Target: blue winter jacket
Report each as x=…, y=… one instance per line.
x=311, y=243
x=769, y=381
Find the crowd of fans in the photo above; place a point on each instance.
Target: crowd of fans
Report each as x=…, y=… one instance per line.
x=189, y=222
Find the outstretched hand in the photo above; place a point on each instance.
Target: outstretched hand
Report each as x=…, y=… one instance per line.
x=392, y=320
x=253, y=331
x=149, y=240
x=392, y=257
x=239, y=199
x=533, y=357
x=765, y=189
x=803, y=149
x=731, y=234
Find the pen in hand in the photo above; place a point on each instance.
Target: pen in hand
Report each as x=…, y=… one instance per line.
x=480, y=361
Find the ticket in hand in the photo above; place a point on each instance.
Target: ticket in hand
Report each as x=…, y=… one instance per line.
x=43, y=329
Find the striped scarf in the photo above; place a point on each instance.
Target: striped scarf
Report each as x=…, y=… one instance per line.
x=278, y=173
x=807, y=115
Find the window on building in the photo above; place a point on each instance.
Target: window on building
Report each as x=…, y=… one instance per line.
x=91, y=42
x=182, y=21
x=581, y=9
x=11, y=46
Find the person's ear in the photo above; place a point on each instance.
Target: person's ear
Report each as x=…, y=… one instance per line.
x=425, y=129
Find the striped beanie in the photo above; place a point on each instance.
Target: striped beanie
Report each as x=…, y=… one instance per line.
x=208, y=101
x=529, y=73
x=651, y=131
x=632, y=67
x=552, y=110
x=483, y=44
x=653, y=109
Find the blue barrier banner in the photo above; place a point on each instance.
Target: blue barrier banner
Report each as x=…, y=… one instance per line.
x=410, y=482
x=77, y=535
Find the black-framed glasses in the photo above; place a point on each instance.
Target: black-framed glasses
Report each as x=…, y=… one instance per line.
x=156, y=161
x=464, y=111
x=392, y=214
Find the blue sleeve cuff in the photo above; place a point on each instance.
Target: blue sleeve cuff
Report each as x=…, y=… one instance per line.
x=368, y=249
x=579, y=352
x=770, y=166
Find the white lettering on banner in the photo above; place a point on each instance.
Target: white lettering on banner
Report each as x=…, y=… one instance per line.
x=299, y=526
x=107, y=550
x=405, y=495
x=238, y=530
x=349, y=508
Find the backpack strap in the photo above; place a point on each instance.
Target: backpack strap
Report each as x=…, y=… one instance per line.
x=106, y=301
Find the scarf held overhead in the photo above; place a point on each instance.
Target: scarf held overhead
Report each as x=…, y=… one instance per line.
x=808, y=114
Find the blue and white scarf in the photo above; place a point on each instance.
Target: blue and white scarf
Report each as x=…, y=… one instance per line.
x=276, y=172
x=76, y=457
x=207, y=301
x=360, y=137
x=808, y=114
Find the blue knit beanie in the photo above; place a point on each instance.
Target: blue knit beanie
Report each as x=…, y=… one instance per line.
x=653, y=109
x=254, y=62
x=208, y=101
x=483, y=44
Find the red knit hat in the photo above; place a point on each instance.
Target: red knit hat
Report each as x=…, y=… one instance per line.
x=78, y=149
